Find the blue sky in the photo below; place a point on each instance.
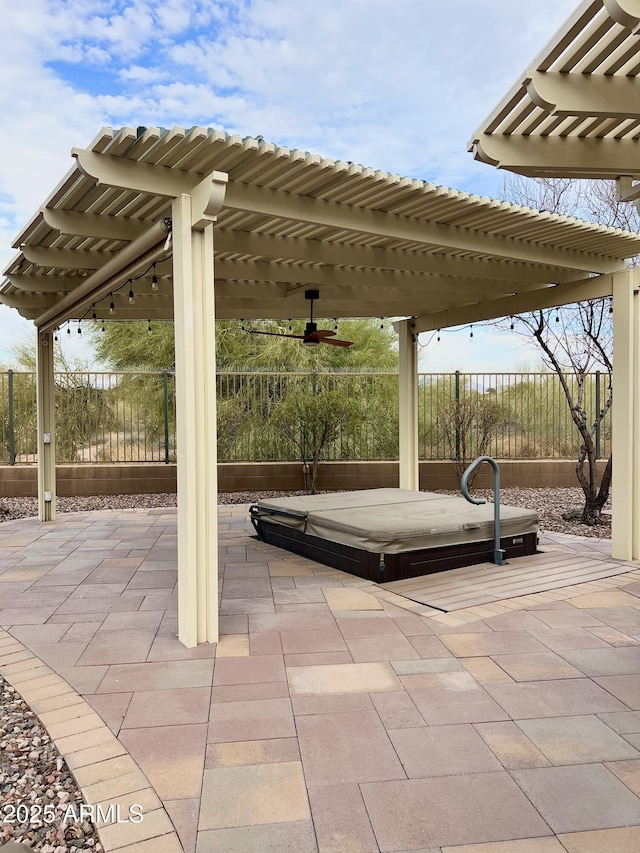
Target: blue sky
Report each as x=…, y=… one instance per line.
x=397, y=85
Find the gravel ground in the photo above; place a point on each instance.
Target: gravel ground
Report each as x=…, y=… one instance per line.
x=31, y=772
x=39, y=800
x=550, y=504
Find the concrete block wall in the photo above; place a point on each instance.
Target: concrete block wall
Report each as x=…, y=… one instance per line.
x=155, y=478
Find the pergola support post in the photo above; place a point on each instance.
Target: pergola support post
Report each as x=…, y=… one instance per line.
x=196, y=434
x=408, y=403
x=625, y=534
x=46, y=421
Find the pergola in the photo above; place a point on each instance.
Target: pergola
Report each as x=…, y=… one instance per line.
x=239, y=228
x=575, y=113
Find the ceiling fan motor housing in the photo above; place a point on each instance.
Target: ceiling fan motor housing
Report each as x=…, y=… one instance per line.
x=310, y=328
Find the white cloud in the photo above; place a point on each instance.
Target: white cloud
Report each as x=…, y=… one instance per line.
x=395, y=86
x=398, y=86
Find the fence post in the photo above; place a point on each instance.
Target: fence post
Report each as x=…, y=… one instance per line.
x=165, y=380
x=457, y=391
x=12, y=434
x=598, y=409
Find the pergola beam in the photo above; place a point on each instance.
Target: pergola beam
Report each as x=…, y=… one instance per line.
x=382, y=264
x=559, y=156
x=388, y=281
x=624, y=12
x=231, y=307
x=586, y=96
x=74, y=259
x=45, y=283
x=519, y=303
x=29, y=301
x=345, y=255
x=100, y=227
x=161, y=181
x=259, y=200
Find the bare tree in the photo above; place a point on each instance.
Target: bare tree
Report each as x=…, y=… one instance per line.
x=577, y=339
x=575, y=342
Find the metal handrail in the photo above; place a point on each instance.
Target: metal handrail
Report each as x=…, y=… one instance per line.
x=499, y=553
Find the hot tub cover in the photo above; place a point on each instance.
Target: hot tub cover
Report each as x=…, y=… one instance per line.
x=393, y=521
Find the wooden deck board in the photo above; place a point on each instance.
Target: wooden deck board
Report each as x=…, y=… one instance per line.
x=489, y=573
x=474, y=586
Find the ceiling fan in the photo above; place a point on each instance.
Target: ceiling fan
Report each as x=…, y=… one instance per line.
x=312, y=334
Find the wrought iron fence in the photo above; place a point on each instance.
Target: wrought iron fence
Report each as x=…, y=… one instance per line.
x=130, y=417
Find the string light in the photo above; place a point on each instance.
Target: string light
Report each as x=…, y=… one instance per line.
x=243, y=328
x=104, y=328
x=68, y=330
x=557, y=317
x=79, y=329
x=512, y=325
x=611, y=306
x=381, y=322
x=335, y=324
x=131, y=295
x=290, y=325
x=471, y=332
x=149, y=329
x=438, y=338
x=55, y=336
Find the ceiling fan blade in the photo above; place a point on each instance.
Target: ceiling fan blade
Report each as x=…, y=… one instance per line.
x=322, y=333
x=336, y=343
x=275, y=334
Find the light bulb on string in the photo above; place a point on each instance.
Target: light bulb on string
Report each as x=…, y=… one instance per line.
x=557, y=317
x=132, y=297
x=381, y=323
x=290, y=325
x=154, y=280
x=104, y=328
x=55, y=336
x=471, y=331
x=242, y=326
x=68, y=330
x=79, y=329
x=335, y=324
x=611, y=306
x=438, y=338
x=112, y=307
x=149, y=329
x=512, y=327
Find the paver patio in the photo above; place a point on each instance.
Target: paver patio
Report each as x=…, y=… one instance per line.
x=334, y=715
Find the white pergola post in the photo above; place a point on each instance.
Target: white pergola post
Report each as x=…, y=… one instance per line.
x=408, y=402
x=625, y=534
x=46, y=423
x=196, y=434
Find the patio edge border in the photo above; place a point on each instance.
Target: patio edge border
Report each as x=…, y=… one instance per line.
x=46, y=692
